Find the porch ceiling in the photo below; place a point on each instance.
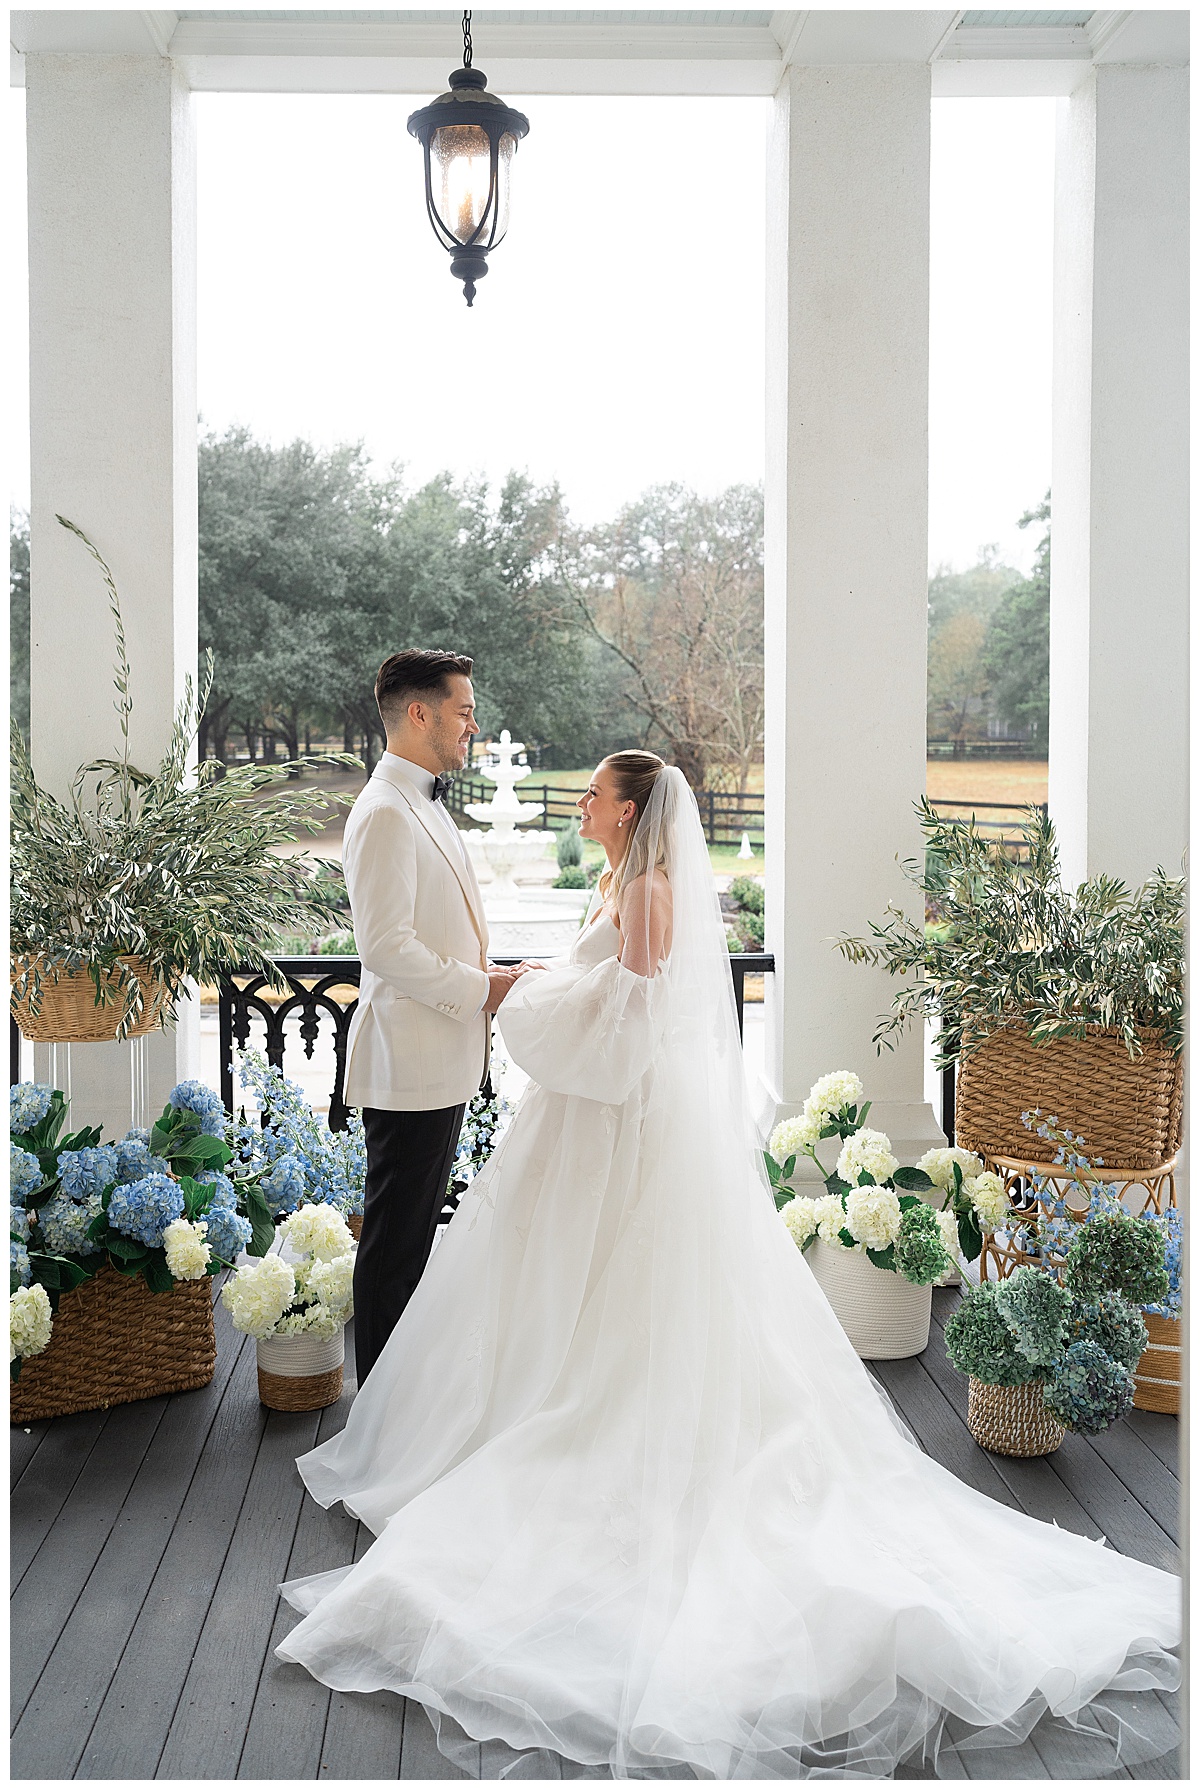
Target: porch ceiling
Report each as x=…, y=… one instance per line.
x=730, y=52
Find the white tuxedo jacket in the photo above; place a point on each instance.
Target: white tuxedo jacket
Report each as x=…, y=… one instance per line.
x=418, y=1040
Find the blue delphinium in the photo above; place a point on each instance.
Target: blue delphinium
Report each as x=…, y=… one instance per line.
x=195, y=1097
x=64, y=1224
x=228, y=1233
x=333, y=1163
x=284, y=1186
x=24, y=1172
x=1170, y=1226
x=19, y=1262
x=134, y=1161
x=85, y=1172
x=28, y=1104
x=144, y=1208
x=224, y=1193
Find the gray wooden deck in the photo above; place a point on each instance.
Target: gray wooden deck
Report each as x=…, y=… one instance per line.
x=147, y=1542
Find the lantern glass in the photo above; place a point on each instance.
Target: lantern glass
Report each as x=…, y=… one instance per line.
x=461, y=170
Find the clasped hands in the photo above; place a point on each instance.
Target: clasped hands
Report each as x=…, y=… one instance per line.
x=501, y=980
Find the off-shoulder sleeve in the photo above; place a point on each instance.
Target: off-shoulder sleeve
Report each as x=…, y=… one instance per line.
x=588, y=1032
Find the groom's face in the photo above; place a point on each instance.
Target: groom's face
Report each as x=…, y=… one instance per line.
x=452, y=724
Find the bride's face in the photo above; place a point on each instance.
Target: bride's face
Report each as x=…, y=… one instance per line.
x=603, y=816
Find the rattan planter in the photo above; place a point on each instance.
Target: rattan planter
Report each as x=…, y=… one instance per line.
x=1157, y=1375
x=300, y=1373
x=355, y=1223
x=885, y=1316
x=1012, y=1419
x=1127, y=1111
x=70, y=1013
x=115, y=1341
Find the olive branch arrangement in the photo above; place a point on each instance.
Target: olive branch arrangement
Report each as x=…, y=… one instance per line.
x=178, y=867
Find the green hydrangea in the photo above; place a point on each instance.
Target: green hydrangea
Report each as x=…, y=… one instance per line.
x=920, y=1254
x=1114, y=1252
x=980, y=1343
x=1110, y=1321
x=1088, y=1390
x=1034, y=1307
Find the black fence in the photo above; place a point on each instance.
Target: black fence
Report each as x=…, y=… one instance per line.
x=724, y=815
x=326, y=988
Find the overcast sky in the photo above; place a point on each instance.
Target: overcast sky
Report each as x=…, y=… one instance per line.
x=618, y=340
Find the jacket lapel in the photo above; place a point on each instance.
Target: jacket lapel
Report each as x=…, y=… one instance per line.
x=423, y=812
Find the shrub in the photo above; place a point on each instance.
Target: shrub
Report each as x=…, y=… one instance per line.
x=569, y=851
x=749, y=894
x=571, y=876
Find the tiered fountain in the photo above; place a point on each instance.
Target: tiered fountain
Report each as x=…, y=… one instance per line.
x=535, y=920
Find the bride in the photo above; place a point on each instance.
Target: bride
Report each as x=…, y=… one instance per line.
x=636, y=1500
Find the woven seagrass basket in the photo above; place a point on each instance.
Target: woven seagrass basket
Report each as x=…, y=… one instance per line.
x=1156, y=1377
x=355, y=1222
x=114, y=1341
x=885, y=1316
x=1128, y=1111
x=1012, y=1419
x=300, y=1373
x=70, y=1013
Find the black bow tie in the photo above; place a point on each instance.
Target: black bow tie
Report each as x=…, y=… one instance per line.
x=441, y=789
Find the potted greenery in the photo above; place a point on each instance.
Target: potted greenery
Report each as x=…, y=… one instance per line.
x=874, y=1244
x=142, y=880
x=1070, y=1000
x=112, y=1247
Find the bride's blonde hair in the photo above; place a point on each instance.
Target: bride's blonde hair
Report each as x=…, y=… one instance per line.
x=635, y=773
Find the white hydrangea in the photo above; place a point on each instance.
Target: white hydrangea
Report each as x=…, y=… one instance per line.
x=831, y=1217
x=317, y=1320
x=791, y=1136
x=258, y=1295
x=948, y=1225
x=29, y=1322
x=830, y=1093
x=986, y=1193
x=873, y=1216
x=800, y=1217
x=319, y=1231
x=939, y=1165
x=333, y=1283
x=188, y=1255
x=870, y=1151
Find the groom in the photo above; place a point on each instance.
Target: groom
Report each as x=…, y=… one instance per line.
x=418, y=1044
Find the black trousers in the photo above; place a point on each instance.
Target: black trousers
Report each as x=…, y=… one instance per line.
x=409, y=1156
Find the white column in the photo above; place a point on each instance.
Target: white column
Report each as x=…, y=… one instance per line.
x=113, y=447
x=1119, y=567
x=846, y=495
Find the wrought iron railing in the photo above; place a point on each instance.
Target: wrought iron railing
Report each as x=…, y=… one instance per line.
x=326, y=986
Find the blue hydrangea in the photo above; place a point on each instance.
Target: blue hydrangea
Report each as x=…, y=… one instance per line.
x=28, y=1104
x=19, y=1262
x=18, y=1222
x=85, y=1172
x=228, y=1233
x=134, y=1161
x=145, y=1208
x=195, y=1097
x=24, y=1172
x=284, y=1186
x=64, y=1223
x=224, y=1193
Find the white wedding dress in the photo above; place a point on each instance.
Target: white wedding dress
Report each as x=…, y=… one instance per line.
x=636, y=1499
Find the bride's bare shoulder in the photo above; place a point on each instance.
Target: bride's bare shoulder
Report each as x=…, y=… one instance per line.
x=649, y=893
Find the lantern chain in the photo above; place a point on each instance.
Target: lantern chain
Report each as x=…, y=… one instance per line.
x=467, y=50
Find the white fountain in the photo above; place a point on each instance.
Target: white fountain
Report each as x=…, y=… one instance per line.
x=532, y=919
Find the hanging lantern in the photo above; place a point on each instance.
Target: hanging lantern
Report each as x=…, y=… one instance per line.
x=469, y=137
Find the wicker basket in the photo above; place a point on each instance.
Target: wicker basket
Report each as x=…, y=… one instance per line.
x=300, y=1373
x=1012, y=1419
x=70, y=1013
x=1157, y=1375
x=1127, y=1110
x=355, y=1222
x=885, y=1316
x=115, y=1341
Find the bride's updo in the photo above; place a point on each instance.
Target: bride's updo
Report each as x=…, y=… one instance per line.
x=635, y=773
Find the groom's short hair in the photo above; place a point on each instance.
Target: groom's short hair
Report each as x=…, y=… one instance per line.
x=415, y=673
